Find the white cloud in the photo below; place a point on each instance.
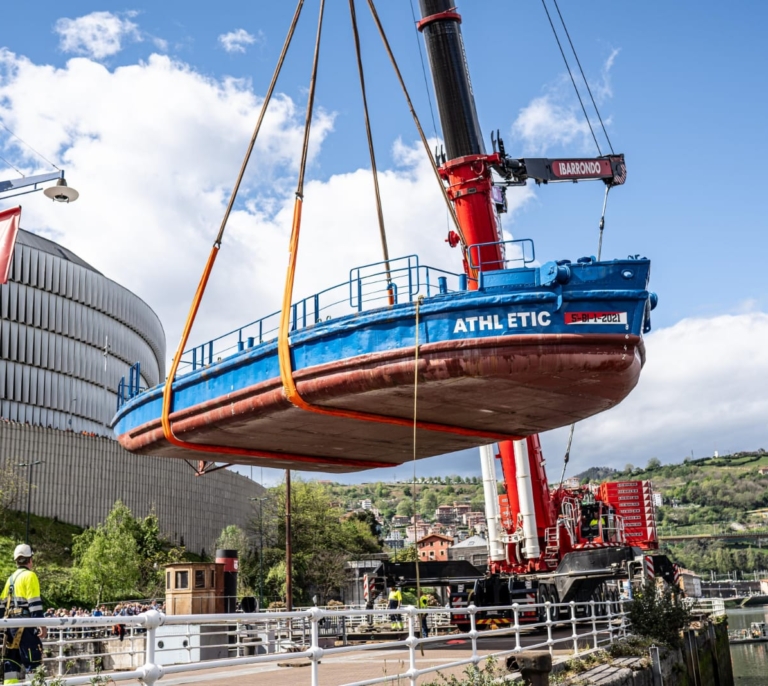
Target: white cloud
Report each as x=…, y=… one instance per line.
x=237, y=40
x=702, y=389
x=154, y=181
x=556, y=119
x=154, y=184
x=97, y=35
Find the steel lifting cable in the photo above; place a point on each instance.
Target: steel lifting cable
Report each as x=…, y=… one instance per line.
x=168, y=388
x=424, y=141
x=283, y=342
x=602, y=223
x=570, y=73
x=583, y=75
x=379, y=209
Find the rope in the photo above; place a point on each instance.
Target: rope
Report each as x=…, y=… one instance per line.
x=283, y=342
x=573, y=81
x=415, y=416
x=424, y=141
x=602, y=224
x=583, y=76
x=567, y=453
x=379, y=210
x=168, y=389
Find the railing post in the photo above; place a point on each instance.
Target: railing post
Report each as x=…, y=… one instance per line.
x=594, y=623
x=60, y=670
x=411, y=641
x=622, y=614
x=472, y=609
x=316, y=652
x=151, y=671
x=609, y=618
x=574, y=633
x=547, y=610
x=516, y=613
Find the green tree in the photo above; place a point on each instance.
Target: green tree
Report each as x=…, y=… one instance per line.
x=427, y=503
x=405, y=507
x=653, y=463
x=108, y=565
x=322, y=540
x=13, y=488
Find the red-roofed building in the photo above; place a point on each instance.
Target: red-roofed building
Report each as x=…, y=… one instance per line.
x=434, y=547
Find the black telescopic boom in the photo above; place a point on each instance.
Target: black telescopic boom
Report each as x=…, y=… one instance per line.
x=450, y=74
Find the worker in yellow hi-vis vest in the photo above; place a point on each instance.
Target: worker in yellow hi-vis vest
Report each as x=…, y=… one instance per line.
x=394, y=602
x=22, y=648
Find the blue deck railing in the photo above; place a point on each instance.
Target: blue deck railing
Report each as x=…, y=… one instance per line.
x=368, y=287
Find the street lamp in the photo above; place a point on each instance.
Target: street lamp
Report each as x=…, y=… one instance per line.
x=29, y=466
x=61, y=192
x=69, y=419
x=261, y=547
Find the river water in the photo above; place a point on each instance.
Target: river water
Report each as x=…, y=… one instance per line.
x=750, y=661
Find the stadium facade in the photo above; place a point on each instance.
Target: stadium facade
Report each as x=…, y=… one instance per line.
x=67, y=336
x=58, y=317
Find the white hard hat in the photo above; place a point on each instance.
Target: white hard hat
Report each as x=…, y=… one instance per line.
x=22, y=550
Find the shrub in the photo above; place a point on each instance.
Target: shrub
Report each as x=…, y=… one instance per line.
x=658, y=614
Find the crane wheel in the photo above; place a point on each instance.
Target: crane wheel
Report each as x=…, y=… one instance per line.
x=556, y=612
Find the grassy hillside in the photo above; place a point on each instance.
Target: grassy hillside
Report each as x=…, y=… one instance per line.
x=711, y=495
x=52, y=542
x=397, y=498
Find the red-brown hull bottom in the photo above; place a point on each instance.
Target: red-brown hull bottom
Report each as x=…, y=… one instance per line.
x=515, y=386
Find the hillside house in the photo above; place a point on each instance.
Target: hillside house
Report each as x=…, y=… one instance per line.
x=473, y=549
x=434, y=547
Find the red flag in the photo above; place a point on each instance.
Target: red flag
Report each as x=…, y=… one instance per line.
x=9, y=227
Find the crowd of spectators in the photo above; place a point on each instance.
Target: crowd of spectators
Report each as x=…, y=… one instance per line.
x=127, y=609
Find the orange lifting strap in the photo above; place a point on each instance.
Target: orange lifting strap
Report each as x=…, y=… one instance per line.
x=284, y=353
x=283, y=342
x=165, y=419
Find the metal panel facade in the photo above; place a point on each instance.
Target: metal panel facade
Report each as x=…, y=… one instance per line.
x=56, y=314
x=82, y=477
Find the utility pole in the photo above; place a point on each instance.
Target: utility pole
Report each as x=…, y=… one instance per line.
x=261, y=549
x=29, y=466
x=288, y=551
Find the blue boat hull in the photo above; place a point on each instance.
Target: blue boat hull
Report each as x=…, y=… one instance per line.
x=507, y=359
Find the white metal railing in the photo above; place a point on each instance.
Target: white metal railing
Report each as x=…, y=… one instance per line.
x=160, y=645
x=714, y=607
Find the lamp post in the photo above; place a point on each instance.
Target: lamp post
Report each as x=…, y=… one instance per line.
x=69, y=419
x=29, y=466
x=60, y=192
x=261, y=548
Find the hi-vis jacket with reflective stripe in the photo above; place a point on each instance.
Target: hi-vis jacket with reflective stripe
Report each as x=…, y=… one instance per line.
x=26, y=591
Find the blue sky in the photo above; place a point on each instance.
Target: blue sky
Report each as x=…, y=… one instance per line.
x=145, y=100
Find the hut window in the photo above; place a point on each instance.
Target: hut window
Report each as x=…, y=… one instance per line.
x=167, y=580
x=200, y=578
x=182, y=579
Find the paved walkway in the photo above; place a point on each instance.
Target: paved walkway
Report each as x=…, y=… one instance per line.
x=360, y=665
